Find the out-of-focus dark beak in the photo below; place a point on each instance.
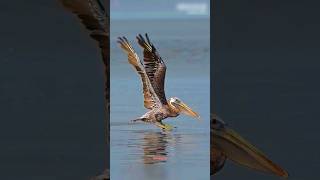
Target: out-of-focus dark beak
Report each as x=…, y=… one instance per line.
x=242, y=152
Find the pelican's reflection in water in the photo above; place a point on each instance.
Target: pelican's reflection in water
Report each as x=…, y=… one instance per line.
x=155, y=147
x=154, y=154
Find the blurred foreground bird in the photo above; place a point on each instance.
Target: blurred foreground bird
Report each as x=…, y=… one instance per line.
x=227, y=144
x=152, y=73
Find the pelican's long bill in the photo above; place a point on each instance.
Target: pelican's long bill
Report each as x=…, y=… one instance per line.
x=187, y=110
x=240, y=151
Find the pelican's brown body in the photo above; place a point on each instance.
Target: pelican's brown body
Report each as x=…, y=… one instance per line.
x=157, y=115
x=152, y=72
x=227, y=144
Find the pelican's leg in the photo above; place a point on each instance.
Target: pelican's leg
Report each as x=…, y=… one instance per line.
x=164, y=126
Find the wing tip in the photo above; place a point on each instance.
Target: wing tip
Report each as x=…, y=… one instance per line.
x=145, y=44
x=124, y=44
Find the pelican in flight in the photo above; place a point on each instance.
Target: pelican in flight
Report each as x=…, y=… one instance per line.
x=94, y=17
x=152, y=73
x=227, y=144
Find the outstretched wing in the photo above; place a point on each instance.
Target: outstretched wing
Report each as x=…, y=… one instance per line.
x=151, y=99
x=155, y=67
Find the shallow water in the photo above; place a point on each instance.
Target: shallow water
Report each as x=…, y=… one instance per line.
x=143, y=151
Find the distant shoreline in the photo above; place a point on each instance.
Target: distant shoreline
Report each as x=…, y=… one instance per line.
x=188, y=18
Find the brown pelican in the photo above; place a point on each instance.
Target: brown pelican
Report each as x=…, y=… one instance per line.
x=227, y=144
x=152, y=74
x=94, y=17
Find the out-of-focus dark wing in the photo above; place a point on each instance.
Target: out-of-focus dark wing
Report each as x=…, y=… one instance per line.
x=151, y=99
x=91, y=12
x=155, y=67
x=94, y=17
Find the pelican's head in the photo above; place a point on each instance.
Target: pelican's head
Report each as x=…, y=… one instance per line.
x=179, y=106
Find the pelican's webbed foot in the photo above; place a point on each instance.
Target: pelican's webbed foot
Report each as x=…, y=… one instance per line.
x=164, y=126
